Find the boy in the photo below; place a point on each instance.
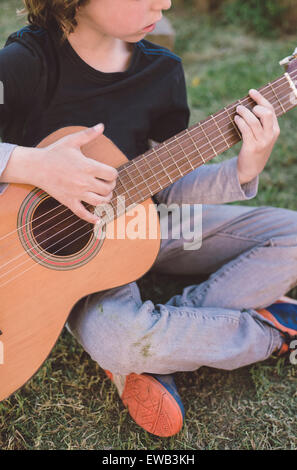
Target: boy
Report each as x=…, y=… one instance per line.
x=87, y=62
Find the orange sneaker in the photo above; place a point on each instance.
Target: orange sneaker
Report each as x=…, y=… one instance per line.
x=283, y=315
x=152, y=400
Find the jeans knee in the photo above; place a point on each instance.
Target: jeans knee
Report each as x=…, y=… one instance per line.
x=282, y=228
x=119, y=343
x=288, y=222
x=123, y=355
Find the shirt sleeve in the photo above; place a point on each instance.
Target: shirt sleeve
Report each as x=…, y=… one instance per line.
x=214, y=183
x=5, y=152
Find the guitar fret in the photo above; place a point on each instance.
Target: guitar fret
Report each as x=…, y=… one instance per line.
x=120, y=206
x=273, y=91
x=148, y=162
x=233, y=123
x=192, y=168
x=117, y=197
x=185, y=155
x=181, y=174
x=143, y=178
x=194, y=143
x=220, y=130
x=120, y=185
x=133, y=185
x=120, y=182
x=214, y=150
x=168, y=176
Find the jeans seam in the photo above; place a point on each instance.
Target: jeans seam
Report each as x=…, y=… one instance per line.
x=182, y=313
x=241, y=237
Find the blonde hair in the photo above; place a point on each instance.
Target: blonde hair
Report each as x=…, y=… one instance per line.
x=52, y=14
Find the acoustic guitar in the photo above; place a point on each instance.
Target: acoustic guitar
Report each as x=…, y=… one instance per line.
x=49, y=258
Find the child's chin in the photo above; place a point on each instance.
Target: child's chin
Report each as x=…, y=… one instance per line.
x=136, y=37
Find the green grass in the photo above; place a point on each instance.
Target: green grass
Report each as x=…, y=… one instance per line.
x=70, y=404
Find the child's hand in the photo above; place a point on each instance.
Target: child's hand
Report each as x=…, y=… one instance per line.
x=260, y=131
x=67, y=175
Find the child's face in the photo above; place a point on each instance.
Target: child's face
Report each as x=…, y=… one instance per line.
x=123, y=19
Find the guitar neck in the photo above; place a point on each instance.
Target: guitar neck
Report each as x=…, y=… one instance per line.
x=169, y=161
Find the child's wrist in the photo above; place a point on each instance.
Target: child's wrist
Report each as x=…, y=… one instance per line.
x=23, y=166
x=243, y=177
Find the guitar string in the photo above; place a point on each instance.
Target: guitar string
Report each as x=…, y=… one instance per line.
x=207, y=144
x=72, y=241
x=283, y=78
x=23, y=253
x=223, y=112
x=56, y=225
x=173, y=163
x=135, y=187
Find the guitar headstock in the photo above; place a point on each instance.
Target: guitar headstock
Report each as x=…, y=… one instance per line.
x=290, y=62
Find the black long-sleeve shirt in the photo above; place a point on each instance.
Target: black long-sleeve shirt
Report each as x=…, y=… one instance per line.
x=48, y=86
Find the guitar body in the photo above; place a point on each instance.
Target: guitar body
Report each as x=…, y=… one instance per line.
x=40, y=285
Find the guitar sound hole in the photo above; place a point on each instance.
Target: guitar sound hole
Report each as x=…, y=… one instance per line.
x=57, y=230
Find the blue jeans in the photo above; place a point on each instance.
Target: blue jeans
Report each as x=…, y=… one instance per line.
x=251, y=256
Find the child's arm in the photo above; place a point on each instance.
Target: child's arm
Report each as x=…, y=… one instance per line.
x=64, y=172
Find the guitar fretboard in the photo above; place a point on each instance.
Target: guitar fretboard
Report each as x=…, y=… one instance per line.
x=169, y=161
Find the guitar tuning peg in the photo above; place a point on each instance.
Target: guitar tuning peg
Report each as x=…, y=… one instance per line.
x=285, y=62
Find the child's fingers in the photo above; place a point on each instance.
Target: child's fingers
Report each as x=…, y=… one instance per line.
x=96, y=199
x=246, y=132
x=79, y=209
x=266, y=116
x=251, y=120
x=265, y=111
x=78, y=139
x=259, y=99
